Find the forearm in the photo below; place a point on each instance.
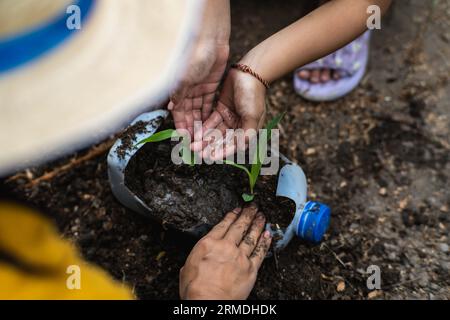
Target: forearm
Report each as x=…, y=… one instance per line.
x=210, y=46
x=215, y=25
x=319, y=33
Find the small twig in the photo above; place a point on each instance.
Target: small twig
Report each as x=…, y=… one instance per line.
x=335, y=255
x=92, y=153
x=27, y=174
x=275, y=258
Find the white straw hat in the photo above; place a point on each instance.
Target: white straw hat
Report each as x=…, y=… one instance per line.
x=62, y=88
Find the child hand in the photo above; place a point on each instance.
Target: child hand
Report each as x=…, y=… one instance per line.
x=224, y=264
x=241, y=105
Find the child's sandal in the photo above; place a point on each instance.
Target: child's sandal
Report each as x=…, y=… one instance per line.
x=350, y=62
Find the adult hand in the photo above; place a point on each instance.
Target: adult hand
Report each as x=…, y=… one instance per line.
x=194, y=95
x=224, y=264
x=241, y=105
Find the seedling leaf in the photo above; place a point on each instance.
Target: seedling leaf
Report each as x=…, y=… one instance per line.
x=274, y=122
x=265, y=136
x=257, y=163
x=231, y=163
x=187, y=155
x=160, y=136
x=247, y=197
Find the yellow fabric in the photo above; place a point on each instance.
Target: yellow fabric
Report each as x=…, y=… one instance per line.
x=38, y=264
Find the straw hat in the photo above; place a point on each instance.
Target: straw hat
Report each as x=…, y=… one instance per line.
x=62, y=87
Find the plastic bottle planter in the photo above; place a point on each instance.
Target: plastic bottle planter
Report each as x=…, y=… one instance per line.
x=310, y=221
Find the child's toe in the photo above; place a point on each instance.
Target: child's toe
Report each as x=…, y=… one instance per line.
x=325, y=75
x=336, y=75
x=304, y=74
x=315, y=76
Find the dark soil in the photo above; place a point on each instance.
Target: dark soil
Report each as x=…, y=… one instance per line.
x=379, y=158
x=127, y=136
x=188, y=197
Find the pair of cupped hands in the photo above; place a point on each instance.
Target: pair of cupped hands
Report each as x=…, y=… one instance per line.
x=239, y=103
x=223, y=264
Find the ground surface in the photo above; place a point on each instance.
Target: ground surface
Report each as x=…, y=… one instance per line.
x=379, y=158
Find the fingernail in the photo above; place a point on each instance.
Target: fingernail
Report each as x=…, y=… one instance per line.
x=260, y=216
x=267, y=234
x=253, y=205
x=237, y=210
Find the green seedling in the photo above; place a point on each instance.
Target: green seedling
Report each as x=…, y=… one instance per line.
x=255, y=168
x=187, y=155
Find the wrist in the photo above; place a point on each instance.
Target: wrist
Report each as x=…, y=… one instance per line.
x=217, y=39
x=256, y=60
x=246, y=69
x=197, y=291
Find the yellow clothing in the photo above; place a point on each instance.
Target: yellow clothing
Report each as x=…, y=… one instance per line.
x=35, y=263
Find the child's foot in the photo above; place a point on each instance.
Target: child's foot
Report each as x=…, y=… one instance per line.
x=319, y=75
x=335, y=75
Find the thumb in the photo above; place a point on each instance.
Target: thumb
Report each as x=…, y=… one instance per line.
x=177, y=95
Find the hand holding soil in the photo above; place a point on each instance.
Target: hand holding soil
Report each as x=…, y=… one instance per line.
x=193, y=98
x=224, y=264
x=241, y=105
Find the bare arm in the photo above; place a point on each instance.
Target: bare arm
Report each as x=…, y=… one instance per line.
x=319, y=33
x=242, y=99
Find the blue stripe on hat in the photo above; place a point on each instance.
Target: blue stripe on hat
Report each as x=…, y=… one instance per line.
x=25, y=47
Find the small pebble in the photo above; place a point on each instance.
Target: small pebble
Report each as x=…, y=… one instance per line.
x=443, y=247
x=341, y=286
x=382, y=191
x=423, y=280
x=374, y=294
x=310, y=151
x=144, y=237
x=354, y=226
x=403, y=203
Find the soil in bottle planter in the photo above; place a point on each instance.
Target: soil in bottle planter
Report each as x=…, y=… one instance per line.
x=183, y=196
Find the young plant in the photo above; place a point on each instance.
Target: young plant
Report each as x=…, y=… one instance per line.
x=187, y=155
x=255, y=168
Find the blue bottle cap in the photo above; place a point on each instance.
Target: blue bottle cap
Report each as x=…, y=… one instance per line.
x=314, y=221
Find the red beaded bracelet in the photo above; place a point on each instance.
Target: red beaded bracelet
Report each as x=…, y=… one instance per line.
x=247, y=69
